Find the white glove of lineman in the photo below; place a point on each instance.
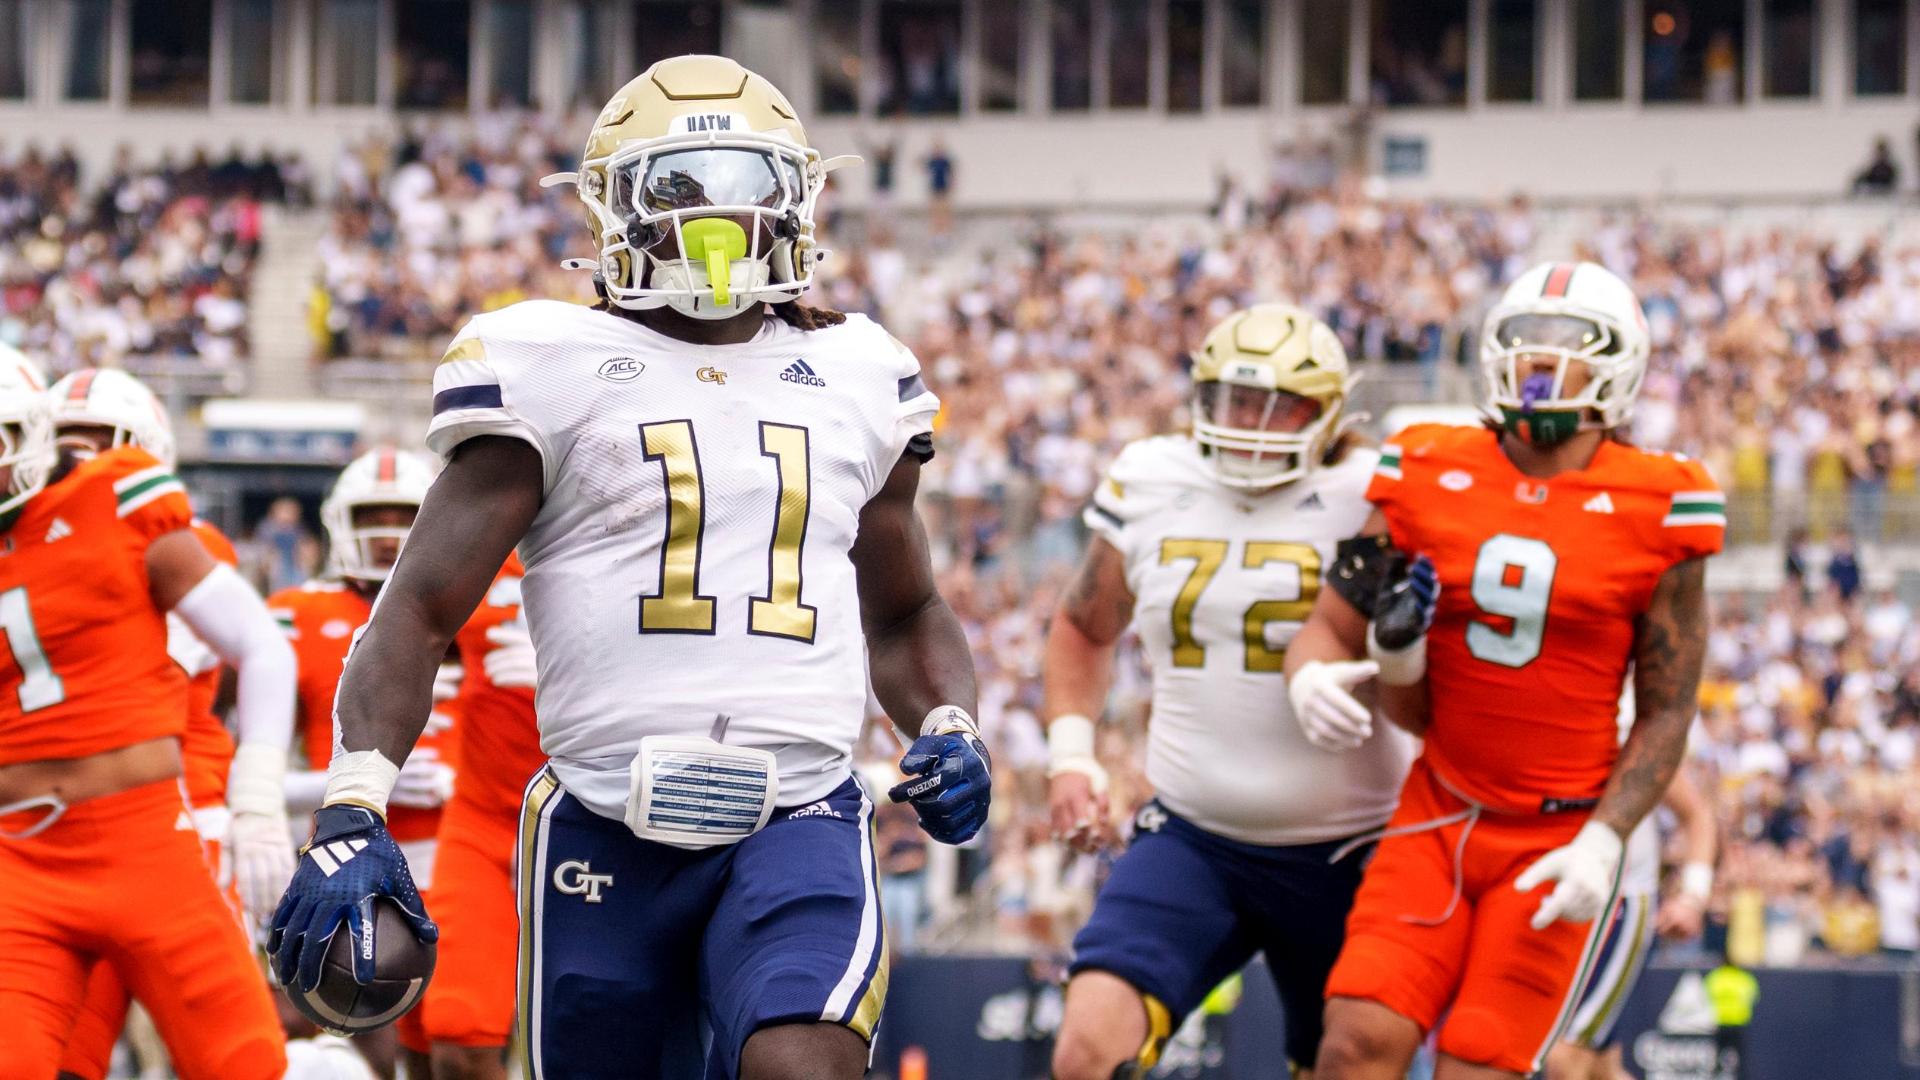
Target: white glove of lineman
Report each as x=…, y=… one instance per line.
x=510, y=663
x=1324, y=705
x=1585, y=870
x=446, y=682
x=424, y=781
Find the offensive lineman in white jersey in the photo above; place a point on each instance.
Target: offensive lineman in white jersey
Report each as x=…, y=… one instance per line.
x=1588, y=1050
x=712, y=490
x=1214, y=546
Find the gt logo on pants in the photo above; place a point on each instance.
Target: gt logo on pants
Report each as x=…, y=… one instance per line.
x=575, y=878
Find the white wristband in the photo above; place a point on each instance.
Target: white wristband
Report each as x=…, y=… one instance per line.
x=947, y=719
x=1399, y=667
x=1696, y=881
x=1070, y=750
x=361, y=777
x=1069, y=736
x=256, y=781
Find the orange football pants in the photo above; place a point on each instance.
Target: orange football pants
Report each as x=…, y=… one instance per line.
x=1438, y=927
x=470, y=1001
x=123, y=879
x=103, y=1012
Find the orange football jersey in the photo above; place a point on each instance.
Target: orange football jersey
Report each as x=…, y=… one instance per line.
x=1541, y=582
x=319, y=619
x=208, y=745
x=86, y=668
x=499, y=739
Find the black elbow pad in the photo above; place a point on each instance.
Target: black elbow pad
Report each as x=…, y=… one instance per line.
x=1362, y=567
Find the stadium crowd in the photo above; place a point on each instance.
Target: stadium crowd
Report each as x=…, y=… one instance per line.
x=1789, y=361
x=149, y=260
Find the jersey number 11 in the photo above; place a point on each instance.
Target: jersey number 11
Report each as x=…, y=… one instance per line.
x=679, y=607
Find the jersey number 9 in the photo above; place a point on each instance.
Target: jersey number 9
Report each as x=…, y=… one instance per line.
x=1512, y=580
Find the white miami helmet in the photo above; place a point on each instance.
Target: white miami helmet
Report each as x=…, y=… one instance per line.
x=109, y=398
x=383, y=477
x=1568, y=313
x=26, y=430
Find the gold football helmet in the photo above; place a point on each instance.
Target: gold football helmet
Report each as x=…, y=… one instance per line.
x=1269, y=386
x=700, y=191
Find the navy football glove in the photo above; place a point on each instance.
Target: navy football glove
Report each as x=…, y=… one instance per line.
x=1404, y=611
x=350, y=861
x=949, y=778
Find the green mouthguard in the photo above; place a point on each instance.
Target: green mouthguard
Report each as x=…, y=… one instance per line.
x=718, y=241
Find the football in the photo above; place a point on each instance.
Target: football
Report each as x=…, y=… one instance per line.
x=402, y=967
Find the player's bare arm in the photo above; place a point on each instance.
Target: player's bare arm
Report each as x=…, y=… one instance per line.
x=919, y=663
x=477, y=510
x=1682, y=914
x=917, y=651
x=1670, y=645
x=1077, y=672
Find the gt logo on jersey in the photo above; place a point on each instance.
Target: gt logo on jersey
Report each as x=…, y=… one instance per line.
x=712, y=375
x=575, y=878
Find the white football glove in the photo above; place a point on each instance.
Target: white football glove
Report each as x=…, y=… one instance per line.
x=446, y=682
x=258, y=845
x=424, y=781
x=262, y=857
x=510, y=663
x=1585, y=870
x=1324, y=705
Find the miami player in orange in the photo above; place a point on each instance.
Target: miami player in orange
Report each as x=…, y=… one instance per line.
x=1528, y=570
x=99, y=859
x=94, y=411
x=468, y=1010
x=366, y=515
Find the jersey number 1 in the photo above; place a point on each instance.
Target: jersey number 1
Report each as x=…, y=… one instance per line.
x=39, y=686
x=679, y=607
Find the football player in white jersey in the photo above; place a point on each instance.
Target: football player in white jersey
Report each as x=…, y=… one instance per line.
x=1213, y=546
x=1587, y=1050
x=712, y=490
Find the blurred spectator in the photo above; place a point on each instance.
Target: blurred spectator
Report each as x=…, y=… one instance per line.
x=1843, y=568
x=286, y=544
x=940, y=188
x=1881, y=175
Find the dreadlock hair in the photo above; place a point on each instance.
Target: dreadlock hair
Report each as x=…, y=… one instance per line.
x=801, y=317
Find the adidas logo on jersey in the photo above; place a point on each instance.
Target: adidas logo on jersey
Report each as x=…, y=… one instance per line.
x=60, y=530
x=799, y=372
x=819, y=809
x=1599, y=504
x=1311, y=502
x=331, y=857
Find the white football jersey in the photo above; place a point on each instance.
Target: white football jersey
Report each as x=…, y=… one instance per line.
x=690, y=560
x=1222, y=580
